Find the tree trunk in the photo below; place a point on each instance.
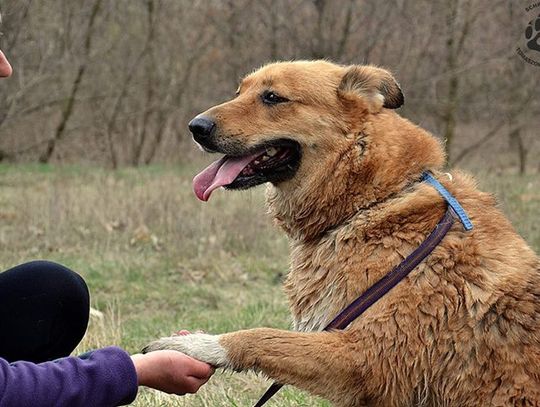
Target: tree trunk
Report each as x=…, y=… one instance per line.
x=150, y=60
x=70, y=104
x=517, y=141
x=449, y=115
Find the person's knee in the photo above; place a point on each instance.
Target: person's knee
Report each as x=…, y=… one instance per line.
x=72, y=301
x=70, y=287
x=46, y=275
x=62, y=276
x=51, y=302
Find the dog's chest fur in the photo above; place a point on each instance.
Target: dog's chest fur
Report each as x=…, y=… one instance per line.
x=317, y=292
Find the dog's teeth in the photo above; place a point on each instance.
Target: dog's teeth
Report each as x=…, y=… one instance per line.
x=271, y=151
x=265, y=158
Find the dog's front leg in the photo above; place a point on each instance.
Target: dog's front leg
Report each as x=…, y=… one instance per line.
x=319, y=362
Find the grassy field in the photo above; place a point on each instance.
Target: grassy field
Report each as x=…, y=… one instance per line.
x=157, y=260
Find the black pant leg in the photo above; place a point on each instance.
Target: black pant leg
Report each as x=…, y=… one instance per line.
x=44, y=311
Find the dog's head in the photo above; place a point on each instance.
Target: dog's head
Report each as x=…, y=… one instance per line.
x=295, y=124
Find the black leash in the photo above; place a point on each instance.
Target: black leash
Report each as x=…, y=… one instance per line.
x=390, y=280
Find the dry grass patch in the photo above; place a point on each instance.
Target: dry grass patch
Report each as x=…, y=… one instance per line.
x=157, y=260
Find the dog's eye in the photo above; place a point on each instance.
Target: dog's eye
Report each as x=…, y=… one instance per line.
x=271, y=98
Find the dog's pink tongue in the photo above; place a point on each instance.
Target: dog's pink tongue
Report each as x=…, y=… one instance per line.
x=219, y=173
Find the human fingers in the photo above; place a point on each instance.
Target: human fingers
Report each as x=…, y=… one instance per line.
x=182, y=332
x=192, y=384
x=197, y=369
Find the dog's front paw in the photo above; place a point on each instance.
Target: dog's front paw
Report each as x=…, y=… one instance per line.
x=160, y=344
x=203, y=347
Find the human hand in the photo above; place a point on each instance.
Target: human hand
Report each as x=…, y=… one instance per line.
x=171, y=371
x=183, y=332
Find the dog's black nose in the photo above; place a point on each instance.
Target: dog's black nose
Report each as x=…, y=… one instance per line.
x=201, y=127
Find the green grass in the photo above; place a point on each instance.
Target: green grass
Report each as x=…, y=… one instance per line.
x=157, y=260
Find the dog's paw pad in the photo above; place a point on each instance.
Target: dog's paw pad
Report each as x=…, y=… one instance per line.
x=532, y=34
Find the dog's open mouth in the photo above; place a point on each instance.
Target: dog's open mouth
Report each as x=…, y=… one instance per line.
x=274, y=162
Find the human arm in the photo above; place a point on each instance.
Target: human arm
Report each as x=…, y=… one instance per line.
x=105, y=377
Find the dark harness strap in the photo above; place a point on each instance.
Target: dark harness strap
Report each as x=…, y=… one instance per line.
x=390, y=280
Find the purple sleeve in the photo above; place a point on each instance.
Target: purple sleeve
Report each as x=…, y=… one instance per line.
x=105, y=377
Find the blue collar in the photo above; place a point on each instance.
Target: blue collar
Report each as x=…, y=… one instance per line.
x=449, y=198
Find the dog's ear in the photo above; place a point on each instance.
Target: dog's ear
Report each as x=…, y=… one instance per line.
x=377, y=86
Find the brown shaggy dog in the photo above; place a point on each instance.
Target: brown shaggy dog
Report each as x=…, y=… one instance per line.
x=463, y=329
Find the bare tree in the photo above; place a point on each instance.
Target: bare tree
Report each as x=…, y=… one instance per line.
x=121, y=90
x=456, y=36
x=70, y=103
